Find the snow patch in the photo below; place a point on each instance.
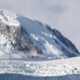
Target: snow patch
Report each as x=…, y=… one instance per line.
x=35, y=37
x=3, y=39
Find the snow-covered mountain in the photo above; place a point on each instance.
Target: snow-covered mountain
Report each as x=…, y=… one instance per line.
x=21, y=37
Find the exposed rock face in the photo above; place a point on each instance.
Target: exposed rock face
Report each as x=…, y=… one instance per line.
x=17, y=38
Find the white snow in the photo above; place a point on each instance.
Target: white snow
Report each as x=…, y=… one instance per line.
x=51, y=51
x=35, y=37
x=9, y=18
x=3, y=39
x=41, y=68
x=47, y=34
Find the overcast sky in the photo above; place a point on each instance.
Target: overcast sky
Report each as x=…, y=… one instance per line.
x=61, y=14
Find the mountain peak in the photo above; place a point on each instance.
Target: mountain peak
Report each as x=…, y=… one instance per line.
x=9, y=18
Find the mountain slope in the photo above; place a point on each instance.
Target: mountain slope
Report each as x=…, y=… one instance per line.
x=25, y=38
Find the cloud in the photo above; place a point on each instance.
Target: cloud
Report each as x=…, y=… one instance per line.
x=62, y=14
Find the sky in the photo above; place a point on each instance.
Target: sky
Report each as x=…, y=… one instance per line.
x=63, y=15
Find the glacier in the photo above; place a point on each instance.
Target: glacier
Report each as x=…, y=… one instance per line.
x=54, y=68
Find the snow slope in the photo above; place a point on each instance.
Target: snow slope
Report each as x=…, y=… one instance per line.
x=41, y=68
x=21, y=37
